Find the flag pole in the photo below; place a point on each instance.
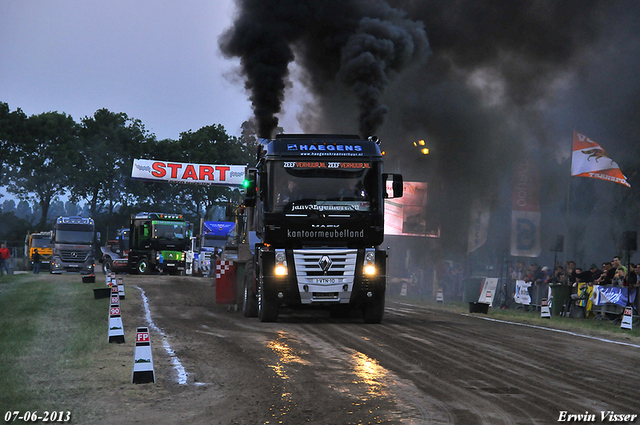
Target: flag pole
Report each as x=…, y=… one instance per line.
x=566, y=214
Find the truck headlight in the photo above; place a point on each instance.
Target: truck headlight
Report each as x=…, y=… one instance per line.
x=369, y=268
x=281, y=263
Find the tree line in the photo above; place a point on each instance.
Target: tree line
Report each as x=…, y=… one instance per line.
x=48, y=157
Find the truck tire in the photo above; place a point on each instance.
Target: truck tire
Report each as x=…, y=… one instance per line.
x=107, y=265
x=267, y=305
x=250, y=301
x=143, y=266
x=373, y=310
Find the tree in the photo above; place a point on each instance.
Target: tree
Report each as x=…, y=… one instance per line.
x=13, y=128
x=9, y=206
x=23, y=210
x=46, y=158
x=108, y=143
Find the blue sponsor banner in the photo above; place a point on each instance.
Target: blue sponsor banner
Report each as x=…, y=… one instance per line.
x=613, y=294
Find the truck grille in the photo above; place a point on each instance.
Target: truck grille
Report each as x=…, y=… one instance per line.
x=73, y=256
x=308, y=262
x=325, y=275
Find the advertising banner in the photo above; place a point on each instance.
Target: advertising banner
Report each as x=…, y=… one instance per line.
x=612, y=294
x=522, y=293
x=525, y=211
x=178, y=172
x=407, y=216
x=479, y=225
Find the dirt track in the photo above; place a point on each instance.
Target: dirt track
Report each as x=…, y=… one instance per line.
x=421, y=366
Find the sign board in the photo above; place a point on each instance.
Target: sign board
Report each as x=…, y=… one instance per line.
x=179, y=172
x=488, y=290
x=522, y=292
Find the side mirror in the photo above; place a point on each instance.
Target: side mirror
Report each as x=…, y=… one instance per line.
x=396, y=185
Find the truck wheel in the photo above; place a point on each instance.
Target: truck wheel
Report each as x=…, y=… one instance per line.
x=267, y=306
x=373, y=310
x=250, y=302
x=107, y=265
x=143, y=266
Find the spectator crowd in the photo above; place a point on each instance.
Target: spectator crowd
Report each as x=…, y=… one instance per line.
x=611, y=273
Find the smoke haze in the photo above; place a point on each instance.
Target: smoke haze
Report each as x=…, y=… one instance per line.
x=361, y=44
x=483, y=83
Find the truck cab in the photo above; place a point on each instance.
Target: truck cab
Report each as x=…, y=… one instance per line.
x=214, y=236
x=158, y=242
x=317, y=204
x=40, y=241
x=73, y=241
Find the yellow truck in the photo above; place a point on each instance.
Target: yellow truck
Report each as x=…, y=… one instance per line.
x=40, y=241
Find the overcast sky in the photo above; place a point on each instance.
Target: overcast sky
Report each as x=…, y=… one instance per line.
x=157, y=61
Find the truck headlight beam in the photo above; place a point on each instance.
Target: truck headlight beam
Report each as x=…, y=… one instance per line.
x=369, y=270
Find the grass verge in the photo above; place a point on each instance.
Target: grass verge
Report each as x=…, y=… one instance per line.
x=53, y=345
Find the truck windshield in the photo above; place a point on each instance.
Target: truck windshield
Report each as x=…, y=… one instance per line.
x=81, y=237
x=41, y=242
x=168, y=231
x=324, y=186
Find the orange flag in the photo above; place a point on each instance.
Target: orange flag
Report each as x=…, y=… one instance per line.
x=590, y=160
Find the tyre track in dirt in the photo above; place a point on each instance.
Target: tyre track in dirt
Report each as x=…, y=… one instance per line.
x=421, y=366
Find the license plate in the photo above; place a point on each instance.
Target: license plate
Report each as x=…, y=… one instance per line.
x=73, y=265
x=325, y=280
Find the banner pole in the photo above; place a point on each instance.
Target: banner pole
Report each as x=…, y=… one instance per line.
x=566, y=214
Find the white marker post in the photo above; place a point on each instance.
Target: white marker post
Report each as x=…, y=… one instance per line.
x=545, y=313
x=121, y=288
x=116, y=330
x=627, y=319
x=143, y=359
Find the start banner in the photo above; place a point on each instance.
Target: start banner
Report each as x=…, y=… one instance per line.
x=179, y=172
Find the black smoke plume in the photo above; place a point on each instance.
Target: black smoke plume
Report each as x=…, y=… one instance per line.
x=361, y=44
x=504, y=80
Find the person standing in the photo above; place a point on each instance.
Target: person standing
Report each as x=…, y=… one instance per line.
x=36, y=258
x=5, y=254
x=160, y=263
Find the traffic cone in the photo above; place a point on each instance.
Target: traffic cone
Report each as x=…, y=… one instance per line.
x=440, y=296
x=143, y=359
x=116, y=330
x=403, y=291
x=545, y=313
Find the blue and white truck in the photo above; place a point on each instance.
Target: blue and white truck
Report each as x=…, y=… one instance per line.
x=214, y=235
